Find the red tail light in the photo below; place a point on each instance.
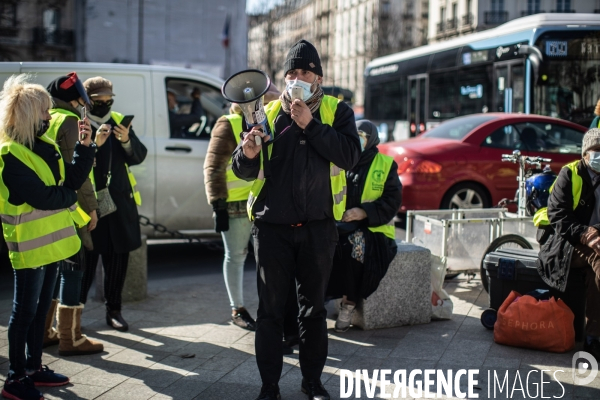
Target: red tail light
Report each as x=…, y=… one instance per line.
x=408, y=165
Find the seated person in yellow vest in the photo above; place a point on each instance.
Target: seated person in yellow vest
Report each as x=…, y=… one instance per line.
x=299, y=191
x=228, y=195
x=572, y=221
x=69, y=97
x=367, y=243
x=180, y=123
x=39, y=213
x=596, y=121
x=117, y=233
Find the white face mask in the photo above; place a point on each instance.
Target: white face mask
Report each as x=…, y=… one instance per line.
x=306, y=93
x=594, y=161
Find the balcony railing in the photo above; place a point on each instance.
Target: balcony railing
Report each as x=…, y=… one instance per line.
x=495, y=17
x=467, y=19
x=407, y=15
x=531, y=12
x=441, y=27
x=61, y=37
x=452, y=23
x=563, y=11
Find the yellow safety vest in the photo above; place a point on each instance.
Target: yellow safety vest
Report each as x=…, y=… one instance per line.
x=541, y=216
x=118, y=117
x=337, y=176
x=374, y=185
x=37, y=237
x=237, y=189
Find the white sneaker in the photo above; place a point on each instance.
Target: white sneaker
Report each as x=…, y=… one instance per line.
x=344, y=319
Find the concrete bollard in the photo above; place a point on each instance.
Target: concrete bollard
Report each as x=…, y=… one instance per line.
x=136, y=281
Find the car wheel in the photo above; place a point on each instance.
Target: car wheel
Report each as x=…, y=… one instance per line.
x=466, y=196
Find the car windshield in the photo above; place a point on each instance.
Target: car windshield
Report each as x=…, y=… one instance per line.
x=458, y=128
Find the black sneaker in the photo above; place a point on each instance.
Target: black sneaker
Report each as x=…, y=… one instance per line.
x=269, y=392
x=21, y=389
x=47, y=377
x=314, y=389
x=244, y=320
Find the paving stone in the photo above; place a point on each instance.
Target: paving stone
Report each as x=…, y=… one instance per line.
x=76, y=391
x=218, y=363
x=129, y=391
x=97, y=377
x=217, y=391
x=188, y=387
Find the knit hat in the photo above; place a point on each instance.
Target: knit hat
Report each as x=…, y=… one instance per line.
x=68, y=88
x=98, y=86
x=303, y=55
x=590, y=139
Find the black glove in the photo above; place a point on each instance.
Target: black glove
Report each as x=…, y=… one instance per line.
x=221, y=215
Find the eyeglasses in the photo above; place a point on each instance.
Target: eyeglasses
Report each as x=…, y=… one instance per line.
x=107, y=103
x=363, y=134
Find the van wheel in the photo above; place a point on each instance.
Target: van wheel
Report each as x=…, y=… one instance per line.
x=465, y=196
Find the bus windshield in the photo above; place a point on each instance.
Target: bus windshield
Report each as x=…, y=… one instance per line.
x=458, y=128
x=568, y=85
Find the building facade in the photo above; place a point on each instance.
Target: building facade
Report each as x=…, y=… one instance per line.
x=184, y=33
x=347, y=34
x=451, y=18
x=41, y=30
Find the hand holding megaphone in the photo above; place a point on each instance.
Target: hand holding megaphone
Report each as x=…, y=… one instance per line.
x=253, y=140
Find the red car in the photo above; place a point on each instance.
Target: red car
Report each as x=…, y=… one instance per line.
x=458, y=163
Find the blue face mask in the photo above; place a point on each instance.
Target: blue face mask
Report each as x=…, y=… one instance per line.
x=306, y=93
x=594, y=161
x=363, y=143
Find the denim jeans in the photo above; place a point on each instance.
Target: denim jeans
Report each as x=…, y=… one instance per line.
x=235, y=241
x=33, y=290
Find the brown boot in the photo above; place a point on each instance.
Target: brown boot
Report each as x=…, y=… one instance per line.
x=72, y=342
x=50, y=334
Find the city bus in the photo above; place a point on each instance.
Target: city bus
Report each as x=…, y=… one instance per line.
x=547, y=64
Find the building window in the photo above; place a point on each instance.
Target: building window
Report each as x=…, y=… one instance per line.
x=51, y=20
x=563, y=5
x=533, y=6
x=498, y=5
x=8, y=15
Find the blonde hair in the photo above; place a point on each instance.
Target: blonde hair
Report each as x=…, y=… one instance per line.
x=22, y=108
x=597, y=110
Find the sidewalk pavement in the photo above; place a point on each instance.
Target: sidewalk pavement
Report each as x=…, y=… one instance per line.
x=181, y=346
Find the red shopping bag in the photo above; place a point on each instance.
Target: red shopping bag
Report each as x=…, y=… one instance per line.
x=524, y=321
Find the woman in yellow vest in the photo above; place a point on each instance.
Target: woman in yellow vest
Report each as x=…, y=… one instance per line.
x=367, y=241
x=69, y=97
x=228, y=195
x=117, y=233
x=39, y=216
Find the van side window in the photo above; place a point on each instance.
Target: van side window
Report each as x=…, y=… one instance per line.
x=193, y=109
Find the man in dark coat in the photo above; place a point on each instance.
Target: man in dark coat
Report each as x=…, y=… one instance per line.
x=577, y=236
x=294, y=229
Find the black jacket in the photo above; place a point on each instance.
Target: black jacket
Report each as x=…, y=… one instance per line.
x=24, y=186
x=297, y=188
x=180, y=123
x=122, y=227
x=567, y=226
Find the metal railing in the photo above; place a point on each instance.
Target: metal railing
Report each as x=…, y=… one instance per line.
x=531, y=12
x=441, y=26
x=452, y=23
x=59, y=37
x=468, y=19
x=495, y=17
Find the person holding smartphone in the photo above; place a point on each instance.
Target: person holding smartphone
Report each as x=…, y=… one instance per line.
x=117, y=233
x=70, y=102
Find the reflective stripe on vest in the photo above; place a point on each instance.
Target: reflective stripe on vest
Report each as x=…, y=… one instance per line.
x=337, y=176
x=374, y=185
x=540, y=218
x=37, y=237
x=237, y=189
x=118, y=117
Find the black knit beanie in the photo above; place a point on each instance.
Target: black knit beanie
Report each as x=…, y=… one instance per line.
x=65, y=88
x=303, y=55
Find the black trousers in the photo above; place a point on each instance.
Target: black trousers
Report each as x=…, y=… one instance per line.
x=282, y=253
x=115, y=271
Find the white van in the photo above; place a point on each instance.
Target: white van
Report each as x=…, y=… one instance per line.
x=171, y=179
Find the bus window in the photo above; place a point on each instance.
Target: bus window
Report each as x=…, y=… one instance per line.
x=474, y=90
x=442, y=95
x=388, y=100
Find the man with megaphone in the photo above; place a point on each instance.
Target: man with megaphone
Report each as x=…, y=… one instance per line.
x=299, y=190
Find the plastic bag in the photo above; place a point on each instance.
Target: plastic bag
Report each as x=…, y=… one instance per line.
x=441, y=304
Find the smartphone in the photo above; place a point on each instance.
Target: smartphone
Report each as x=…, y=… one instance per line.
x=83, y=117
x=127, y=120
x=296, y=93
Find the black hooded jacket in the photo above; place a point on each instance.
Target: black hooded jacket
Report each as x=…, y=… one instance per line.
x=297, y=187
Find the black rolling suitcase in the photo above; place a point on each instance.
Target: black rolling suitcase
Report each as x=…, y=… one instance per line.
x=514, y=269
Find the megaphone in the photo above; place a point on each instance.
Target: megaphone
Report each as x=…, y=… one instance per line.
x=247, y=88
